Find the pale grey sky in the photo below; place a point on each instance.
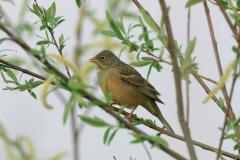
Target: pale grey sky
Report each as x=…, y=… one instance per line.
x=21, y=114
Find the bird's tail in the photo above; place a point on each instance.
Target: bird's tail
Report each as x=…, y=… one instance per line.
x=156, y=112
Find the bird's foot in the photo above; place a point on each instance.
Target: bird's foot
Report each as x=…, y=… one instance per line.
x=130, y=117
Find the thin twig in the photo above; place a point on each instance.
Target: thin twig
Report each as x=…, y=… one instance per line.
x=229, y=112
x=73, y=126
x=219, y=151
x=170, y=134
x=227, y=18
x=138, y=131
x=147, y=151
x=187, y=81
x=12, y=66
x=207, y=79
x=235, y=77
x=173, y=54
x=156, y=57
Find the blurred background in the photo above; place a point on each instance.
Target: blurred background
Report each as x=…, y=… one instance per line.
x=21, y=114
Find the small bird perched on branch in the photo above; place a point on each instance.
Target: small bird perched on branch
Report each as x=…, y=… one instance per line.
x=126, y=85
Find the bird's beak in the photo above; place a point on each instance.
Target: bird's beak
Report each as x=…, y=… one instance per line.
x=93, y=60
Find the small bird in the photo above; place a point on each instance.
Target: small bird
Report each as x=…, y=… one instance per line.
x=126, y=85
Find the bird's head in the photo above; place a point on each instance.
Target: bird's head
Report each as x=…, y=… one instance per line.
x=105, y=59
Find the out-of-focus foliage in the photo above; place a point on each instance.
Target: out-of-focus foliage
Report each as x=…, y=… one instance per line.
x=21, y=148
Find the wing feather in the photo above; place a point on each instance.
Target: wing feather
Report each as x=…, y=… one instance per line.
x=130, y=76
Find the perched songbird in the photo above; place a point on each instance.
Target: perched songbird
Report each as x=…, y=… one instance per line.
x=126, y=85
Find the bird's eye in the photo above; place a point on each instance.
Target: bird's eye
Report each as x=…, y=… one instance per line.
x=102, y=57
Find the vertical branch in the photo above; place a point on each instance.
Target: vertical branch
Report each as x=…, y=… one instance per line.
x=228, y=20
x=234, y=74
x=75, y=137
x=147, y=151
x=79, y=127
x=173, y=51
x=73, y=126
x=187, y=79
x=231, y=94
x=229, y=111
x=219, y=151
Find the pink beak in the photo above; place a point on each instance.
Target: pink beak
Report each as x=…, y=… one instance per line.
x=93, y=60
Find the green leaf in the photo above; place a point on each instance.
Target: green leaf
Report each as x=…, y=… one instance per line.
x=75, y=83
x=140, y=63
x=108, y=33
x=148, y=42
x=149, y=71
x=106, y=135
x=158, y=140
x=193, y=2
x=36, y=10
x=12, y=75
x=114, y=26
x=138, y=138
x=147, y=18
x=78, y=2
x=149, y=59
x=235, y=147
x=230, y=136
x=190, y=47
x=238, y=3
x=43, y=42
x=112, y=135
x=68, y=108
x=53, y=9
x=108, y=97
x=153, y=139
x=129, y=14
x=3, y=76
x=157, y=66
x=79, y=99
x=32, y=93
x=95, y=121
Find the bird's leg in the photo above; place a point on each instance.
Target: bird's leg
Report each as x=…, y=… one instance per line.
x=130, y=115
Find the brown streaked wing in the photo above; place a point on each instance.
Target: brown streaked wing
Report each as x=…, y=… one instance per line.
x=130, y=76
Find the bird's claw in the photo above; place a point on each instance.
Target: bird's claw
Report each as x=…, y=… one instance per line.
x=130, y=117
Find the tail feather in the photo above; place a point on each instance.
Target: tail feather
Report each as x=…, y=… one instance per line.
x=156, y=112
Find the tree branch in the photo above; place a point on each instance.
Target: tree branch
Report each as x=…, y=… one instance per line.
x=176, y=136
x=230, y=113
x=187, y=81
x=228, y=20
x=9, y=65
x=173, y=53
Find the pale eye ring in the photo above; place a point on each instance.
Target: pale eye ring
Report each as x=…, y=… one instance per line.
x=102, y=58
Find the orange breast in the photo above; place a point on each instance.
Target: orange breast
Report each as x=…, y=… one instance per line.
x=122, y=93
